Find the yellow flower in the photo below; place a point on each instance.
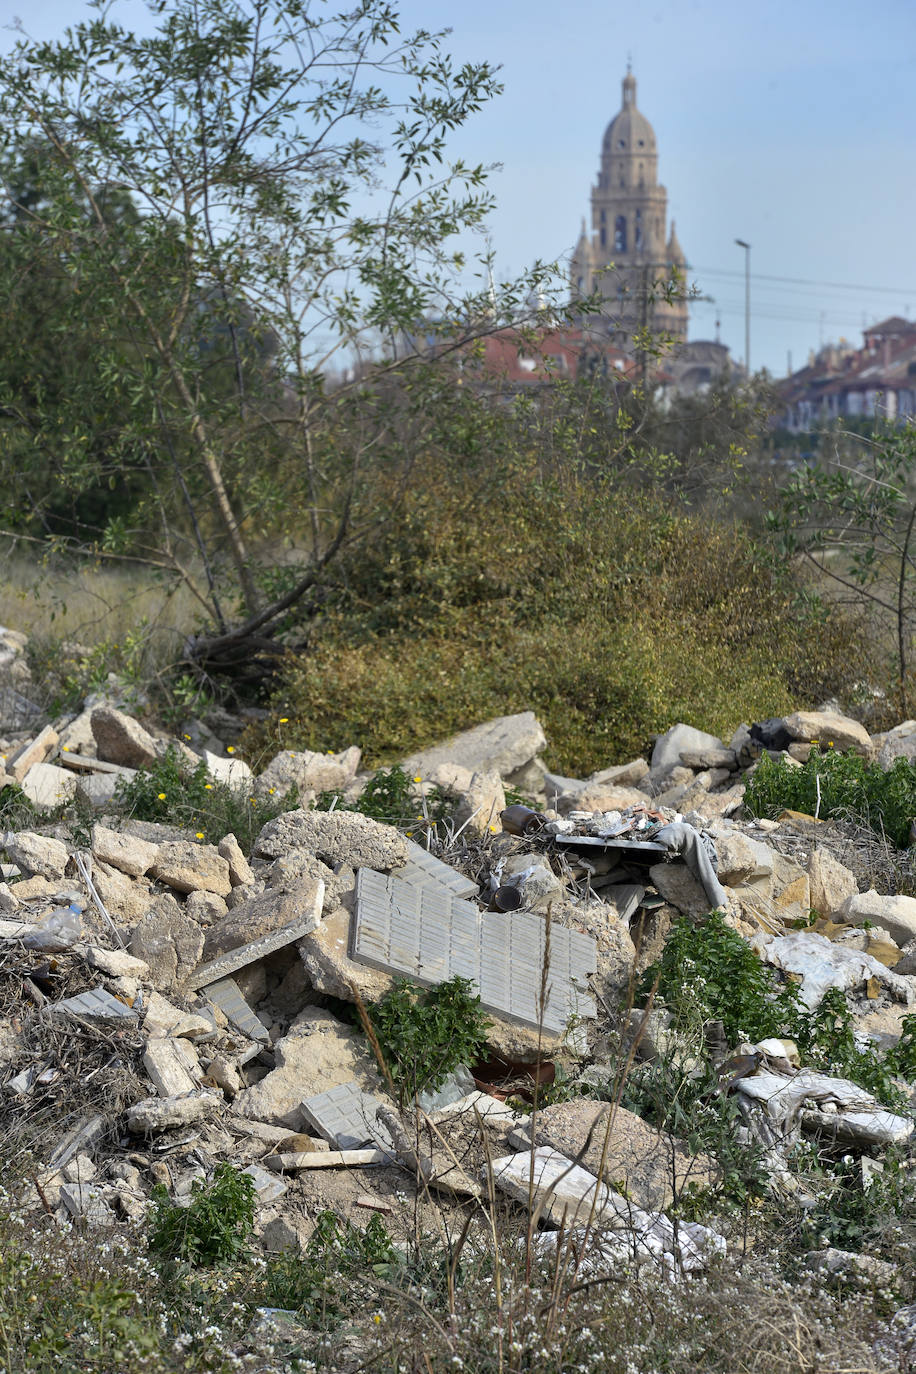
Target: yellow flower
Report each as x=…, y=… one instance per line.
x=271, y=790
x=418, y=778
x=200, y=835
x=162, y=796
x=409, y=834
x=253, y=800
x=230, y=749
x=187, y=736
x=208, y=786
x=65, y=749
x=284, y=720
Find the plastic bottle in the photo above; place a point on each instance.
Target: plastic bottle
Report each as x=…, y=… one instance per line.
x=58, y=931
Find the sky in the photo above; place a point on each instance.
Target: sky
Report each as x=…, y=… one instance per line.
x=787, y=123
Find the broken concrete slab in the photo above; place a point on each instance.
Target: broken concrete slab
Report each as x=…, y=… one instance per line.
x=432, y=937
x=235, y=772
x=668, y=747
x=829, y=729
x=317, y=1053
x=308, y=772
x=481, y=803
x=239, y=868
x=651, y=1167
x=96, y=789
x=268, y=1188
x=170, y=942
x=48, y=787
x=172, y=1065
x=501, y=745
x=830, y=882
x=163, y=1018
x=897, y=915
x=117, y=963
x=40, y=855
x=225, y=964
x=335, y=837
x=300, y=901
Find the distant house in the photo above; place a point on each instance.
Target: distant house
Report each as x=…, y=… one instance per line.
x=876, y=381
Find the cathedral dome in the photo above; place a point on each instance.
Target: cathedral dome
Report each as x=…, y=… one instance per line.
x=629, y=131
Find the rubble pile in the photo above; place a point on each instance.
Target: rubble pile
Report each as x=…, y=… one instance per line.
x=167, y=1004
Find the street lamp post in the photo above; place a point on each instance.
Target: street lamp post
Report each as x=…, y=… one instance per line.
x=747, y=303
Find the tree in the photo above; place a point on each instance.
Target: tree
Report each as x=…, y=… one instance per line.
x=290, y=201
x=853, y=520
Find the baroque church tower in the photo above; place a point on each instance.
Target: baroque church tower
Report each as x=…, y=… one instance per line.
x=629, y=250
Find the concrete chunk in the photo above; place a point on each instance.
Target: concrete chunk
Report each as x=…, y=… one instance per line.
x=47, y=786
x=37, y=854
x=189, y=867
x=160, y=1113
x=500, y=746
x=120, y=739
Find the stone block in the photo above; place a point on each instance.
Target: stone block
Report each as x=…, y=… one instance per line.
x=47, y=786
x=36, y=750
x=121, y=739
x=335, y=837
x=125, y=852
x=829, y=728
x=38, y=855
x=500, y=746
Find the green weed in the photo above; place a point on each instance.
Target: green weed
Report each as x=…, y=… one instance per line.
x=425, y=1034
x=175, y=792
x=215, y=1226
x=833, y=784
x=322, y=1282
x=390, y=797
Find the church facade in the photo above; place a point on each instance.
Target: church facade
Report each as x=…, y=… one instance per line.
x=629, y=252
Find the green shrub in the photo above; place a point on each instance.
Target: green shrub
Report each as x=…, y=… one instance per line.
x=425, y=1034
x=389, y=797
x=175, y=792
x=329, y=1276
x=834, y=784
x=215, y=1225
x=624, y=618
x=709, y=973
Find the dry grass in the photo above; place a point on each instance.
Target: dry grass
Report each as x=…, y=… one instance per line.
x=90, y=602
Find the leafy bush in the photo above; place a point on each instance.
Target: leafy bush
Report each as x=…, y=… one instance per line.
x=215, y=1225
x=175, y=792
x=834, y=784
x=425, y=1034
x=323, y=1281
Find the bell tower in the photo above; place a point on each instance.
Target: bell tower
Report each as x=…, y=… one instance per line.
x=628, y=250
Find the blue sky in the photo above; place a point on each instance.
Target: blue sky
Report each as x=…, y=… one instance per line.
x=787, y=123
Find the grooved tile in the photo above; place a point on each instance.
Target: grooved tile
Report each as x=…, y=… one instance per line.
x=96, y=1004
x=432, y=935
x=345, y=1117
x=425, y=870
x=225, y=994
